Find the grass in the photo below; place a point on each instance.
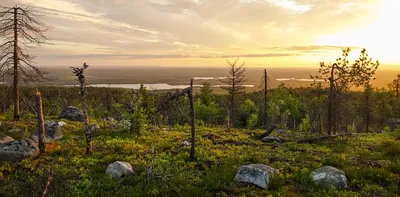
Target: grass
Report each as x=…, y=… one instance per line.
x=371, y=163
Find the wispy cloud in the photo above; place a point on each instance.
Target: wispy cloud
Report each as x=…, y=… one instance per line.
x=175, y=56
x=201, y=29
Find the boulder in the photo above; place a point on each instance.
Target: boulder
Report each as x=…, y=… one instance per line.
x=4, y=139
x=53, y=131
x=256, y=174
x=329, y=176
x=17, y=150
x=119, y=169
x=71, y=113
x=269, y=139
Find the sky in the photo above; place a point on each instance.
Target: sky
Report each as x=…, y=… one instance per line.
x=263, y=33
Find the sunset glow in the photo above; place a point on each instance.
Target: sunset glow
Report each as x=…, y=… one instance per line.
x=290, y=33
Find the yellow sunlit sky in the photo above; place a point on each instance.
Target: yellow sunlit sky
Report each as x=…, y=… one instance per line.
x=276, y=33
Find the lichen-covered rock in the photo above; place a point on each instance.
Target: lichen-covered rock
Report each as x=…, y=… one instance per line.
x=119, y=169
x=53, y=131
x=17, y=150
x=4, y=139
x=269, y=139
x=71, y=113
x=257, y=174
x=329, y=176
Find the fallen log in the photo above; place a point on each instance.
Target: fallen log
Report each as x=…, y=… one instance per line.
x=269, y=131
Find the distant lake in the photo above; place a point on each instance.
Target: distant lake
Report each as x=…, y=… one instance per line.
x=157, y=86
x=300, y=80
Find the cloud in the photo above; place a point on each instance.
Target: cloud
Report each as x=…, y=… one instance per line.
x=175, y=56
x=184, y=29
x=292, y=6
x=312, y=48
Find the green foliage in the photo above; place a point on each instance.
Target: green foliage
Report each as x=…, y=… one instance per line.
x=248, y=114
x=305, y=123
x=206, y=95
x=209, y=114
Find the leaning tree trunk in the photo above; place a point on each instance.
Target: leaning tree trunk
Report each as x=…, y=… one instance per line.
x=16, y=59
x=40, y=123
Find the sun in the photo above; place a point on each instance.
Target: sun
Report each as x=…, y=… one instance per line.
x=380, y=37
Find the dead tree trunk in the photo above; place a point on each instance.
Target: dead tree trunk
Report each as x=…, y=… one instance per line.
x=40, y=123
x=176, y=95
x=265, y=98
x=330, y=101
x=82, y=81
x=192, y=120
x=16, y=59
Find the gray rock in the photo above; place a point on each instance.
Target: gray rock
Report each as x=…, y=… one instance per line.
x=53, y=131
x=271, y=139
x=185, y=143
x=4, y=139
x=257, y=174
x=93, y=129
x=61, y=123
x=119, y=169
x=71, y=113
x=329, y=176
x=17, y=150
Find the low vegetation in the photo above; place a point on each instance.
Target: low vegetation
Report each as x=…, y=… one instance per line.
x=370, y=161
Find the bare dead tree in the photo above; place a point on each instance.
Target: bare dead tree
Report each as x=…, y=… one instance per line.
x=192, y=120
x=79, y=72
x=20, y=26
x=40, y=122
x=189, y=92
x=234, y=85
x=264, y=86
